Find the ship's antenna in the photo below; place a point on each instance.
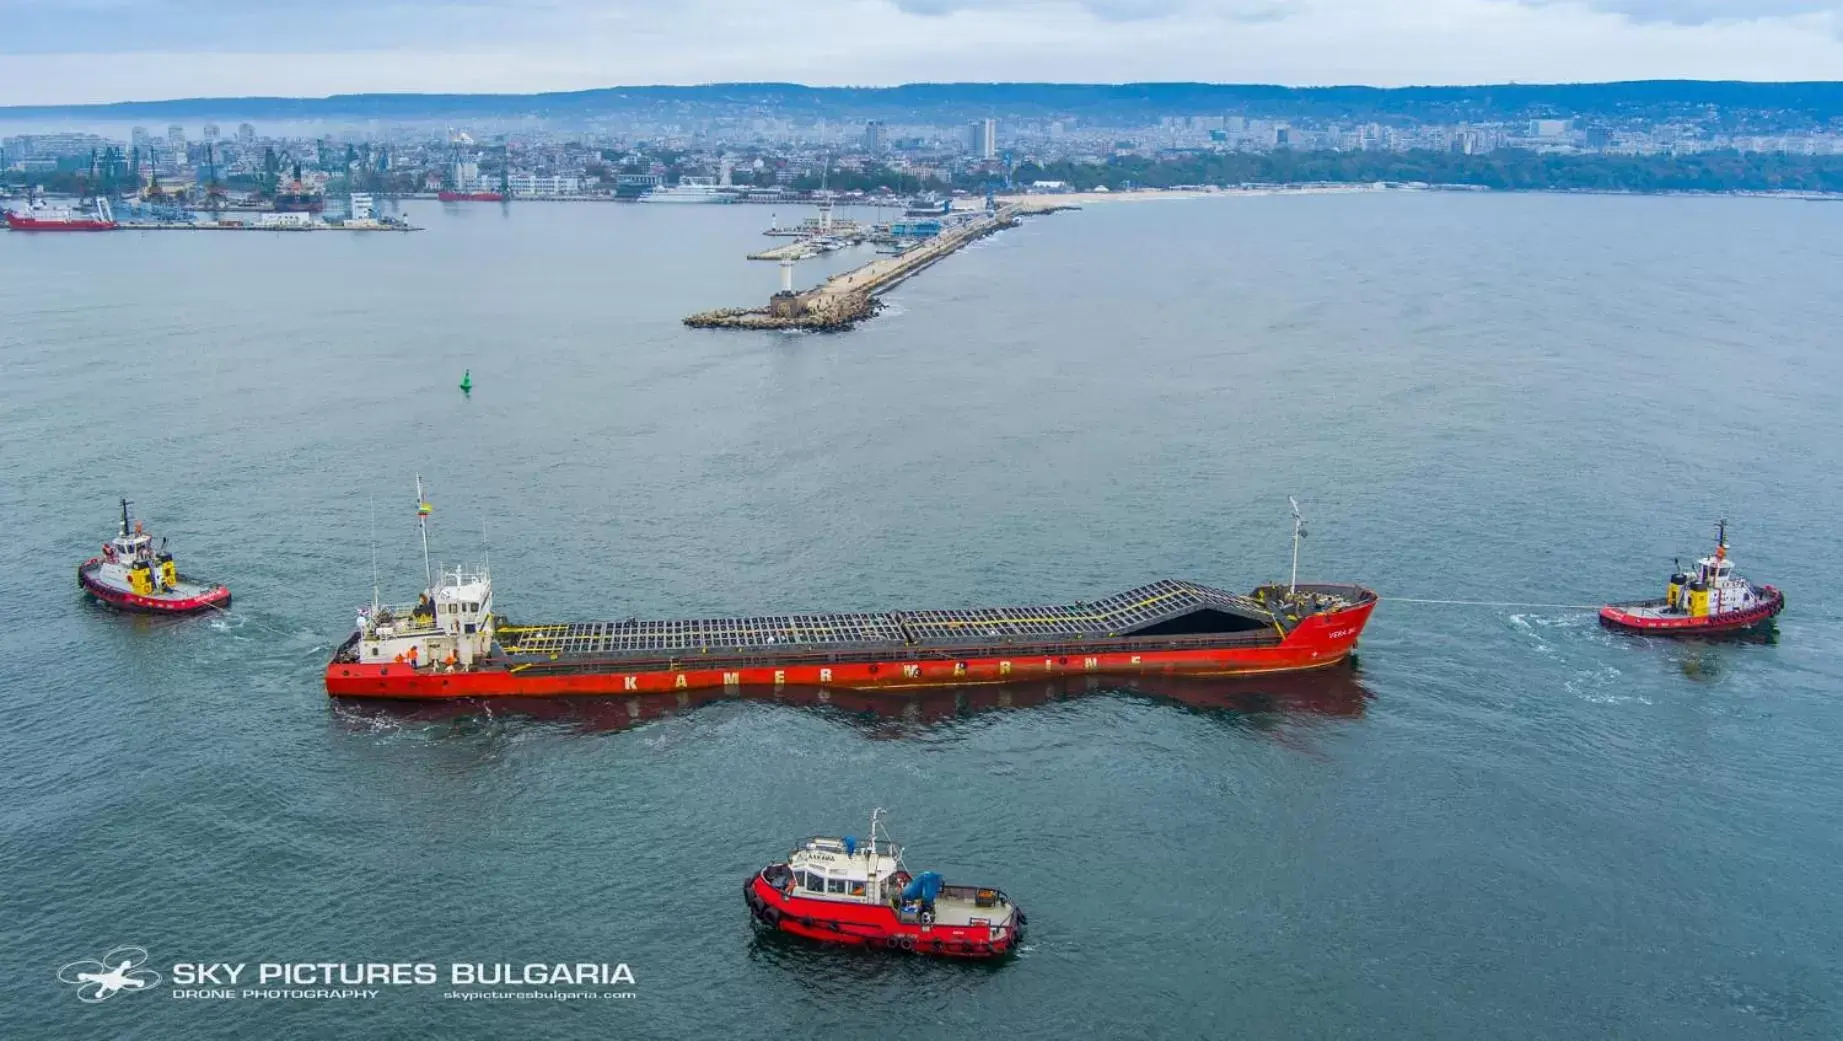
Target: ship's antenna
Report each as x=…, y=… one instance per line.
x=422, y=521
x=375, y=595
x=485, y=550
x=1298, y=533
x=124, y=518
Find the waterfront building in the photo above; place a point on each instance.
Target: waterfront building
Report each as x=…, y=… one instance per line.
x=246, y=134
x=538, y=185
x=876, y=137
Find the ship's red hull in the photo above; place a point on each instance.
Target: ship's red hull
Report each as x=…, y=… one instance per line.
x=1616, y=616
x=873, y=925
x=214, y=597
x=21, y=223
x=470, y=196
x=1315, y=642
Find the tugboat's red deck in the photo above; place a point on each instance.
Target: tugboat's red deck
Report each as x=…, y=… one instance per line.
x=961, y=927
x=1658, y=617
x=186, y=596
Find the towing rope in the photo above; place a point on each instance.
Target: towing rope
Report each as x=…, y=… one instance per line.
x=244, y=619
x=1491, y=603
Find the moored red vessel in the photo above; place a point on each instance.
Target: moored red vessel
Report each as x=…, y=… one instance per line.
x=40, y=217
x=452, y=644
x=1711, y=600
x=840, y=890
x=131, y=574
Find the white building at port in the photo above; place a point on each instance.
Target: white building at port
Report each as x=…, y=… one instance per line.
x=538, y=185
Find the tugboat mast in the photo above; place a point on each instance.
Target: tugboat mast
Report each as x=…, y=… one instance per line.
x=125, y=505
x=874, y=888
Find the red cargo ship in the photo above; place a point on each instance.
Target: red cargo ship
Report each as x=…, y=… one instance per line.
x=40, y=217
x=446, y=195
x=838, y=890
x=450, y=644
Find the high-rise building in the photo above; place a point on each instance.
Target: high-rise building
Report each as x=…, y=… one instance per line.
x=137, y=139
x=876, y=137
x=246, y=134
x=982, y=138
x=211, y=133
x=176, y=136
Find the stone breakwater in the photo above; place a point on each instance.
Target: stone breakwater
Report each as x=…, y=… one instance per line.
x=846, y=299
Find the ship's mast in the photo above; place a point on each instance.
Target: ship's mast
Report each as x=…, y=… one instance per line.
x=875, y=889
x=125, y=505
x=376, y=596
x=1721, y=539
x=1298, y=533
x=422, y=521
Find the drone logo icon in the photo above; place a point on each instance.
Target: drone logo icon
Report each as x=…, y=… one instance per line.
x=98, y=980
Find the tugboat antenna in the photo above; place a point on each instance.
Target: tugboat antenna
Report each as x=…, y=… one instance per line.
x=125, y=505
x=1298, y=533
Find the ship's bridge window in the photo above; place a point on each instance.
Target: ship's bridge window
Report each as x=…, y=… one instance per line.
x=800, y=878
x=837, y=885
x=815, y=882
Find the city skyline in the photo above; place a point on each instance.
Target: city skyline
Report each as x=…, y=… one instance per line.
x=119, y=51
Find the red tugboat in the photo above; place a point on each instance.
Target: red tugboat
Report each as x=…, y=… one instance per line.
x=840, y=890
x=133, y=576
x=450, y=644
x=1711, y=600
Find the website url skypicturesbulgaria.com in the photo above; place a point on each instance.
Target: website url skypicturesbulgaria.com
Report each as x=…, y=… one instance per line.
x=540, y=995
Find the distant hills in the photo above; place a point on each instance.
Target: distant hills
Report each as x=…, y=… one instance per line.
x=1760, y=107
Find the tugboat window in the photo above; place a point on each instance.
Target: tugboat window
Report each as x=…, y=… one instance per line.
x=800, y=879
x=816, y=882
x=836, y=885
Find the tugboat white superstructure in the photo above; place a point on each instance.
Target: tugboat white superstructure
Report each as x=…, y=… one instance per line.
x=1711, y=599
x=133, y=575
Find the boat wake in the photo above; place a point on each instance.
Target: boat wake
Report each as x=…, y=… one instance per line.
x=1596, y=686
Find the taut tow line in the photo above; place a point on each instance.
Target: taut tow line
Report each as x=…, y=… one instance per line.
x=1490, y=603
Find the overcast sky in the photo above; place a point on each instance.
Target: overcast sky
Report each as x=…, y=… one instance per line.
x=65, y=51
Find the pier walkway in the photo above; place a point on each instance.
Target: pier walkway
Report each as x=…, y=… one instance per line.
x=848, y=298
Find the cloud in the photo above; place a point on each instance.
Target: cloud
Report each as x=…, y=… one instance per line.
x=1702, y=12
x=1113, y=10
x=53, y=52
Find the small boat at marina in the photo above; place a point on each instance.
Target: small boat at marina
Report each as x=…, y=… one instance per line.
x=841, y=890
x=1711, y=599
x=133, y=575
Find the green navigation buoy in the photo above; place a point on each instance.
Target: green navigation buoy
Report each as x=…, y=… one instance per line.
x=467, y=382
